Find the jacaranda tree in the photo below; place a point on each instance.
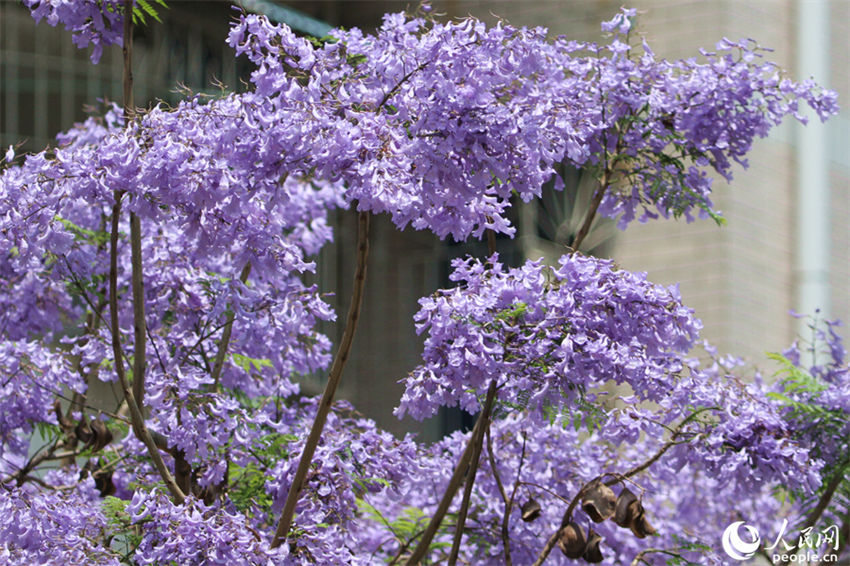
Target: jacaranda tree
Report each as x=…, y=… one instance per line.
x=166, y=249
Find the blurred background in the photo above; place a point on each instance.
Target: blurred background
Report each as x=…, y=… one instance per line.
x=786, y=245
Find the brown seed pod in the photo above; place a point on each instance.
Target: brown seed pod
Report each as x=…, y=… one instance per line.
x=530, y=510
x=641, y=527
x=103, y=482
x=83, y=432
x=598, y=501
x=66, y=424
x=592, y=553
x=102, y=434
x=572, y=541
x=627, y=508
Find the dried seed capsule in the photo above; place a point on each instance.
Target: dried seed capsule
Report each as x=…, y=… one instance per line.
x=641, y=527
x=626, y=509
x=530, y=510
x=599, y=501
x=592, y=552
x=102, y=434
x=572, y=541
x=83, y=432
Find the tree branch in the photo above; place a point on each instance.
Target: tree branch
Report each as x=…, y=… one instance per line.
x=140, y=335
x=509, y=503
x=825, y=498
x=225, y=335
x=454, y=484
x=473, y=470
x=639, y=556
x=591, y=211
x=617, y=478
x=492, y=460
x=334, y=377
x=136, y=417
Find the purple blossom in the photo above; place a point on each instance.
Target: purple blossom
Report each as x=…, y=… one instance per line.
x=439, y=125
x=95, y=22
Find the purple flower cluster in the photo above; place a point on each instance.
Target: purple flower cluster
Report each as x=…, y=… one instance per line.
x=53, y=527
x=194, y=533
x=33, y=376
x=546, y=335
x=439, y=125
x=95, y=22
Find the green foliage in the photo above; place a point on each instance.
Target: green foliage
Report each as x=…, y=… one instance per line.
x=247, y=484
x=587, y=414
x=248, y=489
x=115, y=510
x=95, y=237
x=407, y=527
x=515, y=313
x=123, y=535
x=795, y=379
x=245, y=363
x=319, y=42
x=800, y=389
x=146, y=8
x=49, y=432
x=800, y=392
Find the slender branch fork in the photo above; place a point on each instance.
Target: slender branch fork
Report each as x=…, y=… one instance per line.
x=225, y=335
x=454, y=483
x=468, y=466
x=334, y=378
x=615, y=478
x=470, y=476
x=136, y=416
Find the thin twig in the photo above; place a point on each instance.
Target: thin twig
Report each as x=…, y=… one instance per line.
x=591, y=211
x=492, y=459
x=397, y=86
x=137, y=419
x=506, y=544
x=491, y=241
x=546, y=489
x=334, y=377
x=451, y=489
x=826, y=497
x=140, y=335
x=639, y=557
x=225, y=335
x=616, y=478
x=37, y=458
x=473, y=470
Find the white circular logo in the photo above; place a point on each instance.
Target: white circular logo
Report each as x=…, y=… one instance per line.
x=737, y=548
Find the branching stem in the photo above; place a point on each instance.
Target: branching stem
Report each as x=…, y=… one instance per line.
x=454, y=483
x=334, y=377
x=471, y=473
x=136, y=418
x=591, y=211
x=225, y=335
x=615, y=478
